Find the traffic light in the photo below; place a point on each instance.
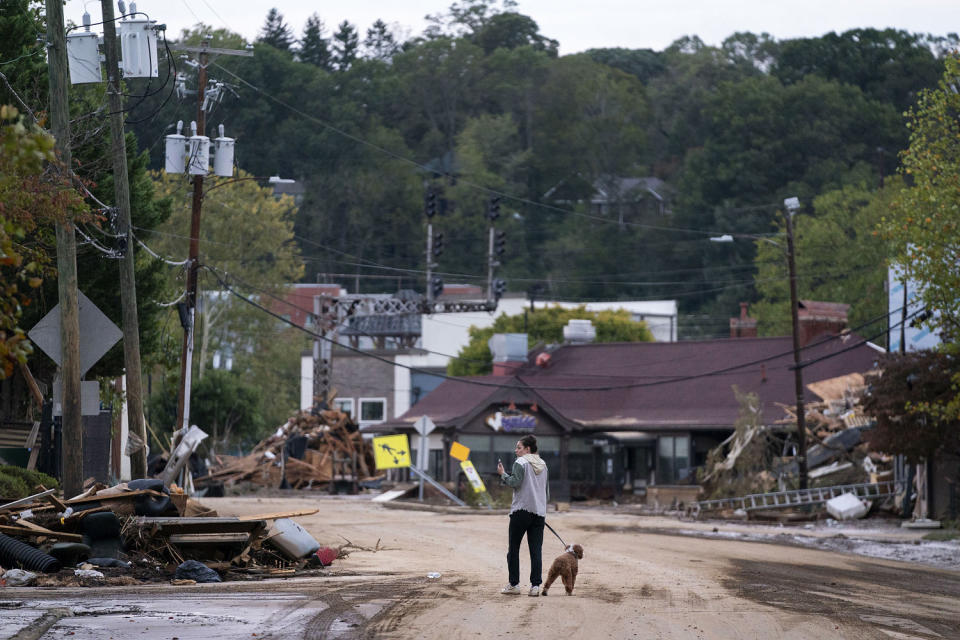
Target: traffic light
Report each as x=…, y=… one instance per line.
x=493, y=208
x=499, y=288
x=499, y=243
x=436, y=286
x=437, y=244
x=430, y=203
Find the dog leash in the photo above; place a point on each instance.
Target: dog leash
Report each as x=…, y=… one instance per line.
x=555, y=533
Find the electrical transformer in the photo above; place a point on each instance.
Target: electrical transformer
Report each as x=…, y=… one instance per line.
x=199, y=162
x=223, y=155
x=176, y=151
x=138, y=46
x=83, y=54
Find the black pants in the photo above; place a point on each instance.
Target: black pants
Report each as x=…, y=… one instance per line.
x=524, y=522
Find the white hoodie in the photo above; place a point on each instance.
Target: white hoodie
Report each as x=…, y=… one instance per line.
x=530, y=490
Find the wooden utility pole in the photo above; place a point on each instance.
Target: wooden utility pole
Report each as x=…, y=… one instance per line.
x=128, y=285
x=791, y=206
x=72, y=425
x=186, y=353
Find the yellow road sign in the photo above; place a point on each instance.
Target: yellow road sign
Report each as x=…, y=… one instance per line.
x=391, y=452
x=471, y=472
x=459, y=451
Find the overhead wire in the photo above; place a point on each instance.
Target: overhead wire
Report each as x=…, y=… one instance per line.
x=524, y=385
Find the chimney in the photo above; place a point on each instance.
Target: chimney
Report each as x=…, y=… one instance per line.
x=816, y=319
x=744, y=326
x=579, y=332
x=509, y=352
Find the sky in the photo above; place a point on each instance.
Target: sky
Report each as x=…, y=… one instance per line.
x=577, y=25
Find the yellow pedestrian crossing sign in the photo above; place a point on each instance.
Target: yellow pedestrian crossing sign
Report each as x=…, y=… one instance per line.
x=391, y=452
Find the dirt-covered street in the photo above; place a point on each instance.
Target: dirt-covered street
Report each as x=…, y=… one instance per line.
x=641, y=577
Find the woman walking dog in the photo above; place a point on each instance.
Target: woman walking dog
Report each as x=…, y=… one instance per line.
x=531, y=491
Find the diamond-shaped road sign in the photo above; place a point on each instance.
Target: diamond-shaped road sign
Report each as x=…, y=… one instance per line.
x=97, y=334
x=424, y=425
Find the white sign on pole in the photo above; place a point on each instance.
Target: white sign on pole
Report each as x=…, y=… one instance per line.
x=424, y=425
x=97, y=334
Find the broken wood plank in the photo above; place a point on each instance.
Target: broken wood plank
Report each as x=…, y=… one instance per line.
x=25, y=527
x=280, y=514
x=208, y=538
x=27, y=500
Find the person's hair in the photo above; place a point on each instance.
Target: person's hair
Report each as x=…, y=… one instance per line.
x=529, y=441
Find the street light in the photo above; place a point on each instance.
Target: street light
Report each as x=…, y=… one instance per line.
x=791, y=205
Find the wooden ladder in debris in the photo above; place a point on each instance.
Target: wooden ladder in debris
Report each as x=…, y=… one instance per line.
x=798, y=497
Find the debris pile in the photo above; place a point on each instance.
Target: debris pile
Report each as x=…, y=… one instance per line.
x=759, y=458
x=311, y=451
x=142, y=531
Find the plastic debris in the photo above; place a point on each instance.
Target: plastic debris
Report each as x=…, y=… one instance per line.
x=19, y=578
x=193, y=570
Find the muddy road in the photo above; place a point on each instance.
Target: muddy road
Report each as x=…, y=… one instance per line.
x=638, y=579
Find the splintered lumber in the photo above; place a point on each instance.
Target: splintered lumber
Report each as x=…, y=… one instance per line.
x=27, y=500
x=174, y=526
x=280, y=514
x=322, y=438
x=35, y=529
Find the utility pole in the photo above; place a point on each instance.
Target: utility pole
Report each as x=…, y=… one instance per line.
x=128, y=285
x=791, y=205
x=186, y=353
x=72, y=425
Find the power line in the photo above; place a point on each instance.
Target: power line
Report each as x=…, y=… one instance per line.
x=524, y=385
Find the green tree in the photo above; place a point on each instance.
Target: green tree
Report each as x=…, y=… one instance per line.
x=511, y=30
x=276, y=32
x=839, y=258
x=915, y=403
x=32, y=200
x=228, y=407
x=888, y=65
x=21, y=55
x=246, y=240
x=924, y=220
x=346, y=45
x=314, y=47
x=380, y=43
x=546, y=326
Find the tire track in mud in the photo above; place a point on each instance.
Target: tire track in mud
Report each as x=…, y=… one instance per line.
x=378, y=610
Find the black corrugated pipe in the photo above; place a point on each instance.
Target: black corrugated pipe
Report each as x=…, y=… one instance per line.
x=14, y=553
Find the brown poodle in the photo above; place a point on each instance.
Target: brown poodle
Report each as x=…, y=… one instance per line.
x=565, y=567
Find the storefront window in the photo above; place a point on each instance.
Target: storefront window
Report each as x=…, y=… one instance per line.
x=673, y=459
